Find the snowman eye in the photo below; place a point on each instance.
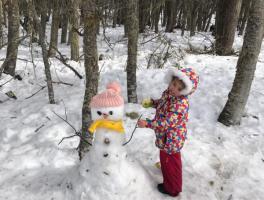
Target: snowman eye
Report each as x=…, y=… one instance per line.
x=99, y=113
x=110, y=112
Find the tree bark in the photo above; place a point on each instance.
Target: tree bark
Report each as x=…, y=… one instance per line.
x=54, y=29
x=244, y=17
x=91, y=69
x=30, y=20
x=74, y=21
x=5, y=10
x=1, y=25
x=144, y=14
x=246, y=65
x=45, y=52
x=9, y=65
x=132, y=51
x=115, y=12
x=194, y=5
x=155, y=14
x=64, y=24
x=184, y=17
x=226, y=22
x=124, y=16
x=169, y=5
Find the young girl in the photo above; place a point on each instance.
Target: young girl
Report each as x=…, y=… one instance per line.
x=169, y=125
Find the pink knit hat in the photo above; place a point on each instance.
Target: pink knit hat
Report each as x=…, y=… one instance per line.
x=111, y=97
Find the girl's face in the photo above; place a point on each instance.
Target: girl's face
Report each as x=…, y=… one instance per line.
x=175, y=87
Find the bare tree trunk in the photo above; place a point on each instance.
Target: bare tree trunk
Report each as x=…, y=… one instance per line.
x=194, y=5
x=226, y=22
x=164, y=14
x=169, y=5
x=115, y=12
x=91, y=69
x=124, y=16
x=70, y=34
x=30, y=20
x=74, y=20
x=36, y=22
x=42, y=37
x=64, y=24
x=54, y=29
x=244, y=17
x=209, y=18
x=144, y=13
x=121, y=12
x=246, y=65
x=4, y=2
x=184, y=17
x=9, y=65
x=178, y=23
x=132, y=51
x=1, y=25
x=201, y=18
x=155, y=14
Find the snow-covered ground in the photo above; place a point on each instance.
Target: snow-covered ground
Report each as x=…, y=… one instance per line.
x=219, y=162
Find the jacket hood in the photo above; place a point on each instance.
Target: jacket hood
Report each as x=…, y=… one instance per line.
x=187, y=75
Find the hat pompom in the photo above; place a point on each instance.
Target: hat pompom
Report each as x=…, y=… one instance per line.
x=114, y=86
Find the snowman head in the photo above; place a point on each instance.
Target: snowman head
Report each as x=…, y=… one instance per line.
x=108, y=104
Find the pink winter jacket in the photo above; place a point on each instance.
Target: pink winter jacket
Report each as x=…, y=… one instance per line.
x=169, y=123
x=171, y=116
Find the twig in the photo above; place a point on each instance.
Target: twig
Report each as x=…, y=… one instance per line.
x=23, y=59
x=65, y=121
x=77, y=31
x=67, y=138
x=133, y=131
x=152, y=55
x=39, y=128
x=107, y=41
x=60, y=82
x=32, y=59
x=101, y=68
x=230, y=197
x=65, y=111
x=64, y=61
x=42, y=87
x=7, y=82
x=157, y=36
x=70, y=67
x=20, y=39
x=76, y=132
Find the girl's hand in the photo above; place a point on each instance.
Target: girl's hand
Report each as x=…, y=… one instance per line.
x=142, y=123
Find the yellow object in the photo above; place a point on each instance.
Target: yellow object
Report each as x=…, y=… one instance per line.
x=157, y=164
x=108, y=124
x=147, y=103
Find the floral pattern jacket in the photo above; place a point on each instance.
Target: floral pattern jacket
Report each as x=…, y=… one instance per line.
x=169, y=122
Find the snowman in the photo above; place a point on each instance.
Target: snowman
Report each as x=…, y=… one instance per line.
x=107, y=109
x=106, y=169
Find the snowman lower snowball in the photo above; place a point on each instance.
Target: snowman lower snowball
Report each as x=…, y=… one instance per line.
x=106, y=168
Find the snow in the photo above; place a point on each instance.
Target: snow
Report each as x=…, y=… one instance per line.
x=219, y=162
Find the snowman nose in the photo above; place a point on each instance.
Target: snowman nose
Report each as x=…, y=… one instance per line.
x=105, y=115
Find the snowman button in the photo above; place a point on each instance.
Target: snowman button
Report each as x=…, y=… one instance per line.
x=105, y=154
x=106, y=141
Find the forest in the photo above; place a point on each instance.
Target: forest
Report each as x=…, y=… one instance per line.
x=61, y=62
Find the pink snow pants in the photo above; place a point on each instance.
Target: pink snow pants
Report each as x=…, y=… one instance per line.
x=171, y=168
